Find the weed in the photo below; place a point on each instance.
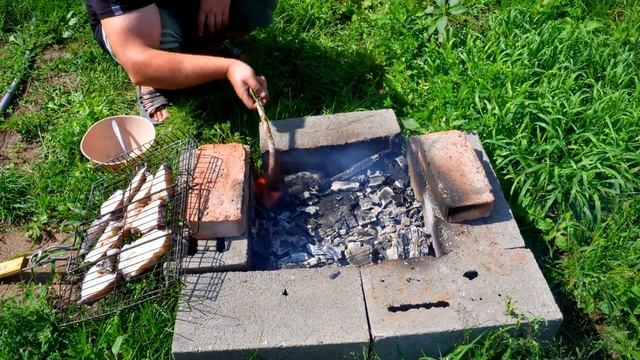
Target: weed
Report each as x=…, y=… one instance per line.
x=17, y=201
x=437, y=17
x=551, y=87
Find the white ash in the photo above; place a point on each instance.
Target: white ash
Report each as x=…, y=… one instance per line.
x=367, y=217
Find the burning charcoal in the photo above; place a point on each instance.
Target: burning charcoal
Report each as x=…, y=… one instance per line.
x=334, y=252
x=308, y=179
x=344, y=186
x=401, y=161
x=313, y=262
x=375, y=199
x=351, y=221
x=398, y=199
x=311, y=210
x=365, y=234
x=295, y=258
x=360, y=179
x=365, y=218
x=392, y=253
x=314, y=250
x=385, y=195
x=376, y=181
x=413, y=249
x=358, y=254
x=365, y=204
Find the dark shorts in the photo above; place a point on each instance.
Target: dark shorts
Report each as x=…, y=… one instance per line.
x=179, y=18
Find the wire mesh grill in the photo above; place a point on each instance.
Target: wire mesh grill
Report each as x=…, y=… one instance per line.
x=132, y=245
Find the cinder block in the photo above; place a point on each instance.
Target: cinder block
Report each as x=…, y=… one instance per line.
x=456, y=179
x=498, y=230
x=331, y=143
x=287, y=314
x=218, y=200
x=427, y=305
x=234, y=255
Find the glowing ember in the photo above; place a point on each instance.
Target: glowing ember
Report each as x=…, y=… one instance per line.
x=267, y=193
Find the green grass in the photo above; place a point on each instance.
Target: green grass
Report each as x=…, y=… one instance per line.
x=551, y=87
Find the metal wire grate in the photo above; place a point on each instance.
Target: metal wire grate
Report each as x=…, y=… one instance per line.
x=137, y=257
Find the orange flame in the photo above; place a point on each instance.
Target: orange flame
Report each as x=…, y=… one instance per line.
x=268, y=194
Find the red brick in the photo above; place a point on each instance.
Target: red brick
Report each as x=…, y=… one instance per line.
x=448, y=164
x=218, y=200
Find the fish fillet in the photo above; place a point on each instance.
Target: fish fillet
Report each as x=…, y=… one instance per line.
x=135, y=185
x=162, y=188
x=142, y=254
x=100, y=280
x=142, y=198
x=148, y=218
x=93, y=233
x=111, y=238
x=113, y=203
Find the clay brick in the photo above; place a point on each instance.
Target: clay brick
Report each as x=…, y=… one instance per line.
x=218, y=200
x=447, y=162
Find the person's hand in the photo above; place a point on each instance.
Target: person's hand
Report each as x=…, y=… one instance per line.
x=242, y=78
x=213, y=15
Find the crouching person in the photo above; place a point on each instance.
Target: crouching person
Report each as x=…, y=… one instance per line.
x=153, y=42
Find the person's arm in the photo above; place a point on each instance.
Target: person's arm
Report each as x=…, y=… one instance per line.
x=135, y=38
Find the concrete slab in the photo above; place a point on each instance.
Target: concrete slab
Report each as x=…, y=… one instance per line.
x=234, y=255
x=331, y=143
x=218, y=200
x=498, y=230
x=287, y=314
x=456, y=179
x=428, y=305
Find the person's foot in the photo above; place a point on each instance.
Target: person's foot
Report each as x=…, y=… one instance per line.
x=152, y=104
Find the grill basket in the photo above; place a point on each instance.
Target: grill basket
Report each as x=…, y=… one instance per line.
x=147, y=262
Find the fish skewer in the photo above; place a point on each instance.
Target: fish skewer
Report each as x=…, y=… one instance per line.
x=264, y=121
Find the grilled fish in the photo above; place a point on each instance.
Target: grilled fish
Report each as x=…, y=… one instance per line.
x=100, y=280
x=142, y=254
x=135, y=185
x=93, y=233
x=142, y=197
x=113, y=203
x=111, y=238
x=162, y=188
x=148, y=218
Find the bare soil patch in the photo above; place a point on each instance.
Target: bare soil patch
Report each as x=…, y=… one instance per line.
x=12, y=245
x=15, y=151
x=54, y=52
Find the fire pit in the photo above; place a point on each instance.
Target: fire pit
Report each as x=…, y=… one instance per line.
x=349, y=253
x=363, y=215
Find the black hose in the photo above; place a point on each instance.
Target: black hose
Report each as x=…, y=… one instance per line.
x=8, y=97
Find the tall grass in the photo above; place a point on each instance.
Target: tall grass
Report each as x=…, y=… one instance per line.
x=551, y=86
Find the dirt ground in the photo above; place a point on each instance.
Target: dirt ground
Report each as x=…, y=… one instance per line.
x=13, y=245
x=15, y=151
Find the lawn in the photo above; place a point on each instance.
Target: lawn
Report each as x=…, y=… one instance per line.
x=551, y=86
